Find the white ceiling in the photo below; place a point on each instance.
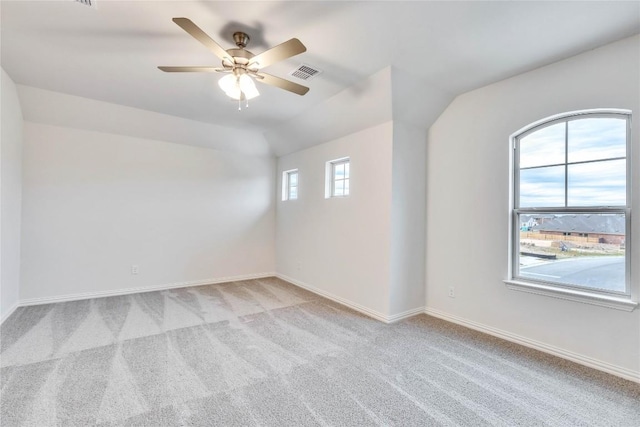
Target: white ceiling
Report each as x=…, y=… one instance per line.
x=110, y=53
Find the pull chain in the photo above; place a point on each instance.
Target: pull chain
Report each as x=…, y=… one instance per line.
x=240, y=104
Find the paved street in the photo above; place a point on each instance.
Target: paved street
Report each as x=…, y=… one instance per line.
x=597, y=272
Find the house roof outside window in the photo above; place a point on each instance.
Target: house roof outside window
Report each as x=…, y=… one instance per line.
x=593, y=224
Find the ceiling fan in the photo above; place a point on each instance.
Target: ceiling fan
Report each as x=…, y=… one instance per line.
x=242, y=66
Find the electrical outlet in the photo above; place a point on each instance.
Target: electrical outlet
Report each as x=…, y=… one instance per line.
x=452, y=292
x=134, y=269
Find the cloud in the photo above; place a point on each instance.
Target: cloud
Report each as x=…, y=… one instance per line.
x=543, y=147
x=597, y=139
x=599, y=183
x=542, y=187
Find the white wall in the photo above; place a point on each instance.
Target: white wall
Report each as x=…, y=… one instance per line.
x=10, y=194
x=340, y=246
x=407, y=291
x=468, y=205
x=96, y=203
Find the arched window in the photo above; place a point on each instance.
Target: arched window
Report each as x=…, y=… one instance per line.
x=571, y=203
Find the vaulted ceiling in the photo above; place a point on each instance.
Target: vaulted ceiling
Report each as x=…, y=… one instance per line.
x=110, y=52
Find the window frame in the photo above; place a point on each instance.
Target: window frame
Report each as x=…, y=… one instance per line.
x=330, y=191
x=286, y=184
x=613, y=299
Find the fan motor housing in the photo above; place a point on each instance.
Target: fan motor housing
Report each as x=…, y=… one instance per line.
x=240, y=53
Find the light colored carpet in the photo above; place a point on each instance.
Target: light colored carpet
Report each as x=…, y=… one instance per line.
x=264, y=352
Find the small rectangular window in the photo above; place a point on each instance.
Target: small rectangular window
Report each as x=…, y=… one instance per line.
x=338, y=178
x=290, y=184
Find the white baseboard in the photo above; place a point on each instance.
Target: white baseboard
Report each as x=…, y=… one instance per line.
x=126, y=291
x=405, y=315
x=355, y=306
x=9, y=312
x=537, y=345
x=352, y=305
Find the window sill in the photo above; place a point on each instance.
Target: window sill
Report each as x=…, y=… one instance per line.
x=573, y=295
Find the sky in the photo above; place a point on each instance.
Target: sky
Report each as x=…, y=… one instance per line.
x=599, y=183
x=341, y=179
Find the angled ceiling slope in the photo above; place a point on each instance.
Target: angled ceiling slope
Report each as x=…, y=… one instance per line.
x=389, y=94
x=59, y=109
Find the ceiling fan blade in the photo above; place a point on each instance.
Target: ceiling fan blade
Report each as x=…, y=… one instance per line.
x=282, y=83
x=192, y=69
x=201, y=36
x=282, y=51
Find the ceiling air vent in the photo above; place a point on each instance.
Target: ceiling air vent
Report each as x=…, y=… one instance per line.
x=304, y=72
x=90, y=3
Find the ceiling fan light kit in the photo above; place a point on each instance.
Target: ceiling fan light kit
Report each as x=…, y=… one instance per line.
x=239, y=86
x=243, y=68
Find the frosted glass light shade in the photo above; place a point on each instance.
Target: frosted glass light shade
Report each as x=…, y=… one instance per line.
x=229, y=84
x=235, y=86
x=248, y=87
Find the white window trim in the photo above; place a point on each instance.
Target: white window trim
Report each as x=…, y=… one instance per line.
x=285, y=184
x=622, y=302
x=330, y=182
x=585, y=297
